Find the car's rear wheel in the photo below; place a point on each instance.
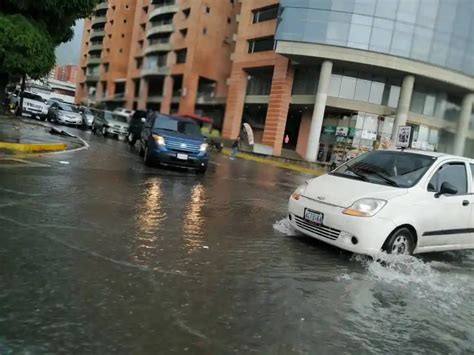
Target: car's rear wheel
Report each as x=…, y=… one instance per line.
x=147, y=157
x=104, y=131
x=400, y=242
x=93, y=129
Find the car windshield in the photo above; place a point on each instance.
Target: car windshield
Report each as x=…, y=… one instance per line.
x=176, y=125
x=396, y=169
x=29, y=95
x=119, y=118
x=87, y=111
x=67, y=108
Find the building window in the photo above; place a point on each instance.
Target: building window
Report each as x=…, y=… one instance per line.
x=125, y=21
x=204, y=31
x=261, y=44
x=106, y=67
x=187, y=12
x=181, y=56
x=120, y=50
x=184, y=32
x=265, y=13
x=145, y=9
x=140, y=43
x=123, y=35
x=229, y=20
x=208, y=10
x=139, y=62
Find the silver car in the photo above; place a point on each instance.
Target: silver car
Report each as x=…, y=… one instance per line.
x=87, y=116
x=64, y=113
x=110, y=123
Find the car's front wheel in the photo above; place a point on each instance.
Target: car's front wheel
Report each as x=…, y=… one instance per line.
x=104, y=131
x=141, y=151
x=400, y=242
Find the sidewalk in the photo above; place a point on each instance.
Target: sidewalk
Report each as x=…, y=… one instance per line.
x=18, y=135
x=301, y=167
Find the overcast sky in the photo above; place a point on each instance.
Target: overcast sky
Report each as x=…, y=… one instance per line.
x=68, y=53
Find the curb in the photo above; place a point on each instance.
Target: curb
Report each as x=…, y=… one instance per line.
x=275, y=163
x=33, y=147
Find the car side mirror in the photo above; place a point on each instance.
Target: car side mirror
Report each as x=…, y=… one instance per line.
x=446, y=189
x=143, y=120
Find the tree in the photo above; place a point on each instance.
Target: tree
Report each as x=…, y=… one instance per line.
x=29, y=32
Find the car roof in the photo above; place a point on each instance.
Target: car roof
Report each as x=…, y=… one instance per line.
x=430, y=154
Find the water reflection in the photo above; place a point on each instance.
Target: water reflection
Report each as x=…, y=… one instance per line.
x=150, y=219
x=193, y=219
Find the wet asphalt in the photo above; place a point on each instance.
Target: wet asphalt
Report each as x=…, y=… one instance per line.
x=100, y=254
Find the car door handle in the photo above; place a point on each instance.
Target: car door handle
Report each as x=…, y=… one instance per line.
x=465, y=203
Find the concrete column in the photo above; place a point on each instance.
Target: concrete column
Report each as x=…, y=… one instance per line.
x=187, y=103
x=143, y=94
x=403, y=108
x=318, y=113
x=167, y=95
x=303, y=133
x=463, y=125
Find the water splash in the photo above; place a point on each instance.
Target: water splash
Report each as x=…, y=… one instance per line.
x=284, y=226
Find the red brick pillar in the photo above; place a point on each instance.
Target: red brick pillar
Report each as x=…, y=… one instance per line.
x=165, y=107
x=278, y=105
x=187, y=102
x=235, y=103
x=303, y=133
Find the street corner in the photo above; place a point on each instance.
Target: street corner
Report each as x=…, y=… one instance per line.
x=18, y=136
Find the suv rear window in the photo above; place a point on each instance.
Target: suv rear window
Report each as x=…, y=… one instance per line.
x=35, y=97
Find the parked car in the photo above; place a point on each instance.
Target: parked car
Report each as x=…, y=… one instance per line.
x=87, y=116
x=110, y=123
x=136, y=126
x=33, y=105
x=124, y=112
x=171, y=140
x=398, y=202
x=63, y=113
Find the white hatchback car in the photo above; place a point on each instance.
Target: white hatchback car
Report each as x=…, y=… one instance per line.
x=401, y=202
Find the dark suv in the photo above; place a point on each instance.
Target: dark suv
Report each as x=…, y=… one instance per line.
x=171, y=140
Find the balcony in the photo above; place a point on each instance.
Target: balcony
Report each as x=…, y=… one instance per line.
x=104, y=5
x=159, y=47
x=94, y=61
x=92, y=77
x=155, y=71
x=163, y=10
x=209, y=99
x=160, y=29
x=97, y=34
x=98, y=21
x=95, y=47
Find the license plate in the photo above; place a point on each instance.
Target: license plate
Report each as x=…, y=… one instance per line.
x=182, y=156
x=313, y=216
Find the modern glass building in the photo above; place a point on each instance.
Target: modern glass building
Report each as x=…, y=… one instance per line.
x=356, y=70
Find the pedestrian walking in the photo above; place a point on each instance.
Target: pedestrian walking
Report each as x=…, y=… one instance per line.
x=235, y=148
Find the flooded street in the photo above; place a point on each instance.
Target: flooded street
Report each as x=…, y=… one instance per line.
x=100, y=254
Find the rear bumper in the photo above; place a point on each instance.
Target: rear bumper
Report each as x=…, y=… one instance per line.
x=118, y=132
x=194, y=161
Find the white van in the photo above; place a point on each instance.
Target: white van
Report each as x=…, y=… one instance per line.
x=33, y=105
x=401, y=202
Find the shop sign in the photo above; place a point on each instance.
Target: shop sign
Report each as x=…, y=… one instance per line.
x=370, y=135
x=403, y=137
x=329, y=129
x=342, y=131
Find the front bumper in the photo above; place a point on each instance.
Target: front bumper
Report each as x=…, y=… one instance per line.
x=194, y=161
x=66, y=120
x=120, y=132
x=33, y=112
x=339, y=229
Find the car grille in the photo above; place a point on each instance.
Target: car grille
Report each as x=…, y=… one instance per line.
x=182, y=145
x=320, y=230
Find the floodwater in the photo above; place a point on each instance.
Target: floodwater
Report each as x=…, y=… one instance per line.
x=103, y=255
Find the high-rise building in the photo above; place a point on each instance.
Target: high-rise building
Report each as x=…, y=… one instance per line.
x=66, y=72
x=331, y=78
x=164, y=55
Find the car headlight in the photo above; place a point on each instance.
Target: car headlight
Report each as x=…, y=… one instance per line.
x=158, y=139
x=299, y=191
x=366, y=207
x=203, y=147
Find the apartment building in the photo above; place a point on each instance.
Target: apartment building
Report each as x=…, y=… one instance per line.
x=66, y=72
x=172, y=56
x=325, y=78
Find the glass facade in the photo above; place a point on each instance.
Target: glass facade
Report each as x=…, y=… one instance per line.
x=438, y=32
